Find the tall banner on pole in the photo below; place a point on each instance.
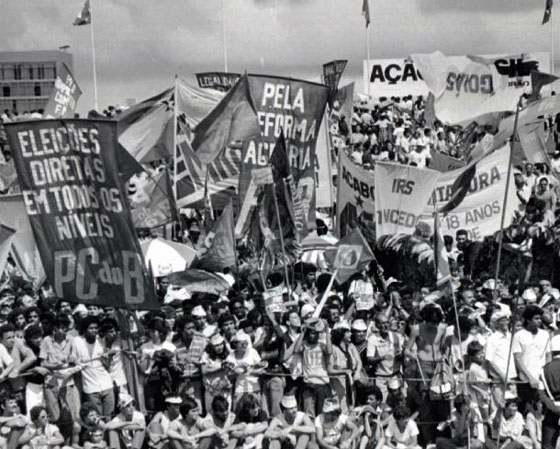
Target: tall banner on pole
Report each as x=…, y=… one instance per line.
x=355, y=199
x=69, y=176
x=402, y=192
x=480, y=211
x=64, y=97
x=295, y=107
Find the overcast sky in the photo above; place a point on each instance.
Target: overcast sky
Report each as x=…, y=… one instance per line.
x=141, y=44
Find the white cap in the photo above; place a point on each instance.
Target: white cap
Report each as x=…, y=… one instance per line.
x=289, y=401
x=342, y=324
x=489, y=284
x=198, y=311
x=529, y=295
x=307, y=309
x=359, y=325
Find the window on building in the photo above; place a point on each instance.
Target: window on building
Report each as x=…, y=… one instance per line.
x=6, y=91
x=37, y=90
x=41, y=72
x=17, y=72
x=8, y=72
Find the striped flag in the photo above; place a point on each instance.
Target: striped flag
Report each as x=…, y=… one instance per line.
x=84, y=17
x=365, y=12
x=547, y=11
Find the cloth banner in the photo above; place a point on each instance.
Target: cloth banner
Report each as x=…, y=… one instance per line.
x=69, y=175
x=24, y=248
x=444, y=163
x=332, y=72
x=217, y=80
x=297, y=108
x=469, y=86
x=480, y=212
x=355, y=198
x=401, y=194
x=151, y=205
x=64, y=97
x=6, y=235
x=323, y=171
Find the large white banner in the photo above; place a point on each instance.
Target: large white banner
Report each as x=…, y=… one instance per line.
x=400, y=77
x=481, y=210
x=323, y=172
x=401, y=195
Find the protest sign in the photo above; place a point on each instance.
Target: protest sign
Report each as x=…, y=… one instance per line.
x=402, y=192
x=217, y=80
x=69, y=175
x=274, y=300
x=295, y=107
x=444, y=163
x=480, y=211
x=355, y=198
x=64, y=97
x=332, y=72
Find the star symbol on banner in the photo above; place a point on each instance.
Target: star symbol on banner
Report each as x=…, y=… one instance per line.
x=359, y=201
x=169, y=104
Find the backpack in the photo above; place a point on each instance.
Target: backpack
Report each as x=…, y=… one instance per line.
x=442, y=385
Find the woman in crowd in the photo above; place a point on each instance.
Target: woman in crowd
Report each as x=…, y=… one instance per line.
x=39, y=434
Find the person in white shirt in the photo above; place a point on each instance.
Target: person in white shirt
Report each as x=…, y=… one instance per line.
x=128, y=429
x=86, y=350
x=530, y=348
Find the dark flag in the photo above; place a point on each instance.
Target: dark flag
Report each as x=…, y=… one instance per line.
x=220, y=243
x=547, y=11
x=538, y=81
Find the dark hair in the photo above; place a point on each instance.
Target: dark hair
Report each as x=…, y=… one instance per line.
x=337, y=335
x=474, y=348
x=365, y=391
x=182, y=321
x=6, y=328
x=160, y=326
x=531, y=311
x=224, y=319
x=30, y=310
x=87, y=322
x=249, y=401
x=460, y=399
x=107, y=324
x=32, y=331
x=432, y=314
x=86, y=409
x=220, y=403
x=61, y=320
x=462, y=232
x=187, y=405
x=401, y=412
x=35, y=412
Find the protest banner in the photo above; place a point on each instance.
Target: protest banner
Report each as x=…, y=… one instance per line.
x=444, y=163
x=297, y=108
x=69, y=175
x=151, y=205
x=217, y=80
x=480, y=211
x=355, y=198
x=64, y=97
x=401, y=194
x=332, y=72
x=400, y=77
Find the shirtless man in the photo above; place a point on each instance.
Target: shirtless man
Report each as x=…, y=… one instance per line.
x=429, y=339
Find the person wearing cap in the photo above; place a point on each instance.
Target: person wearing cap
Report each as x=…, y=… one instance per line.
x=530, y=348
x=334, y=428
x=247, y=365
x=314, y=359
x=291, y=425
x=201, y=323
x=549, y=393
x=500, y=363
x=128, y=429
x=158, y=428
x=193, y=236
x=215, y=371
x=385, y=352
x=346, y=364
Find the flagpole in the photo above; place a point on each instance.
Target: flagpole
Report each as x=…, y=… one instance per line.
x=552, y=44
x=175, y=139
x=506, y=193
x=224, y=36
x=273, y=187
x=368, y=72
x=93, y=56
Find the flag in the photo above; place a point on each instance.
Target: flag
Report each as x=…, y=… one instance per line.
x=547, y=11
x=351, y=255
x=233, y=119
x=365, y=12
x=538, y=81
x=195, y=180
x=6, y=234
x=286, y=187
x=151, y=202
x=84, y=16
x=220, y=243
x=441, y=260
x=64, y=97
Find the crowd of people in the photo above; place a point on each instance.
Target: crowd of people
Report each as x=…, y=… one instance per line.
x=480, y=367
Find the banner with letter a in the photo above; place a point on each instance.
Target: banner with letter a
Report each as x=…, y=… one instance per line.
x=402, y=193
x=480, y=212
x=69, y=176
x=355, y=199
x=297, y=108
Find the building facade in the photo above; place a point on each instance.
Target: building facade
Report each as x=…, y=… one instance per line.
x=27, y=78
